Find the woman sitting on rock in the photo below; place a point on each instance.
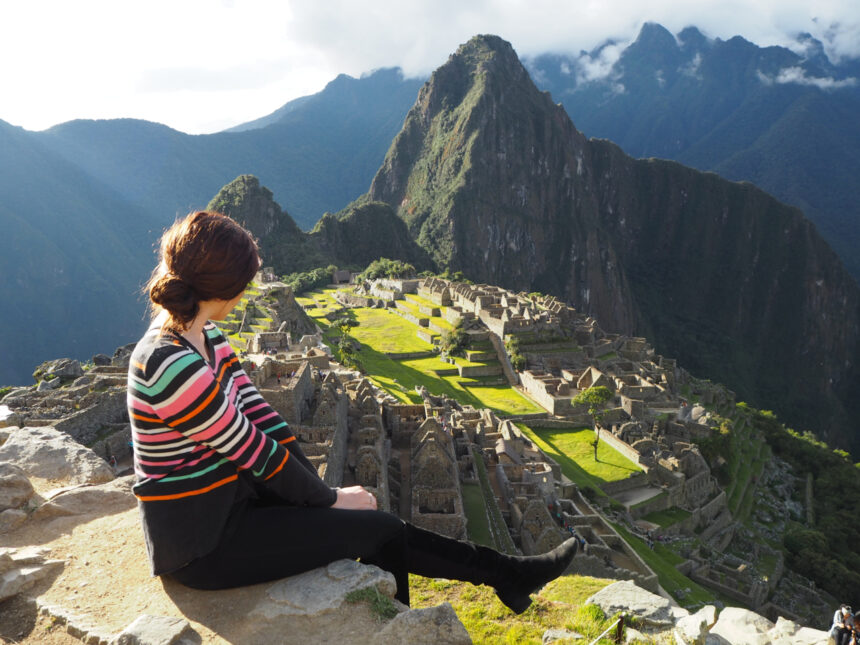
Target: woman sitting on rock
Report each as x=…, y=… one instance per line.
x=227, y=498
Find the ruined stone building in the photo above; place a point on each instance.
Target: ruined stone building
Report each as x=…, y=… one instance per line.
x=437, y=500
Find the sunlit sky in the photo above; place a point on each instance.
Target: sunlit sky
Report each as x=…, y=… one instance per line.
x=204, y=65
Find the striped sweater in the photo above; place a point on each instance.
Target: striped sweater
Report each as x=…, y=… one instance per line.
x=205, y=441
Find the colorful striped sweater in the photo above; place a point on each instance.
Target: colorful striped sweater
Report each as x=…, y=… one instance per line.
x=204, y=441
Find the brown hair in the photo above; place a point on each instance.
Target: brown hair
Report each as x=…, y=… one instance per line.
x=204, y=256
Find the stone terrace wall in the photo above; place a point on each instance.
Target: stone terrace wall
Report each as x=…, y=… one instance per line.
x=624, y=448
x=86, y=425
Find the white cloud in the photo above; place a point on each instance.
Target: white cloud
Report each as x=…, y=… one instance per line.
x=798, y=76
x=599, y=66
x=692, y=68
x=202, y=64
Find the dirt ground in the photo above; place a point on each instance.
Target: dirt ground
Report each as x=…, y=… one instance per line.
x=104, y=585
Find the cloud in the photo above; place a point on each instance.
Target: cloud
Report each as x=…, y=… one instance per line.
x=598, y=67
x=692, y=68
x=798, y=76
x=158, y=59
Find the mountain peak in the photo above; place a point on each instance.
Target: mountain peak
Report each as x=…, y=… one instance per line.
x=252, y=205
x=654, y=35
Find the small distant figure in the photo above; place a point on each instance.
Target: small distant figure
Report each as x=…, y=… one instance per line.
x=112, y=462
x=843, y=622
x=279, y=379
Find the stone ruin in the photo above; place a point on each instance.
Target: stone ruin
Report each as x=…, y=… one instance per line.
x=437, y=501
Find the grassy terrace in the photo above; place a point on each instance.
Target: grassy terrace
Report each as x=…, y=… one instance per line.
x=381, y=332
x=668, y=517
x=572, y=449
x=662, y=561
x=560, y=605
x=477, y=522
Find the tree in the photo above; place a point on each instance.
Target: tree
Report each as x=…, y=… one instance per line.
x=345, y=323
x=454, y=341
x=595, y=398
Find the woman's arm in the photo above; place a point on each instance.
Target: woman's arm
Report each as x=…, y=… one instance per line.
x=179, y=390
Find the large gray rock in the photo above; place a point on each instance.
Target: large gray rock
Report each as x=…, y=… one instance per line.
x=313, y=608
x=324, y=589
x=62, y=368
x=15, y=487
x=11, y=519
x=104, y=499
x=49, y=454
x=694, y=629
x=652, y=610
x=8, y=418
x=742, y=627
x=48, y=384
x=787, y=632
x=156, y=630
x=428, y=626
x=20, y=569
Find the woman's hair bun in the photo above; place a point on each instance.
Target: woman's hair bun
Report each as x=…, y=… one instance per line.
x=204, y=256
x=176, y=296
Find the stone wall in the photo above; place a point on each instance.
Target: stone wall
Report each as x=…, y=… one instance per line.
x=656, y=503
x=291, y=401
x=624, y=448
x=479, y=370
x=634, y=481
x=85, y=426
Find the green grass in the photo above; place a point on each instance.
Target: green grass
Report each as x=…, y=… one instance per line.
x=381, y=332
x=662, y=561
x=559, y=605
x=667, y=517
x=572, y=449
x=386, y=332
x=477, y=522
x=422, y=301
x=499, y=535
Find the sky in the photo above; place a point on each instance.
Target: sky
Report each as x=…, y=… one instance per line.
x=201, y=66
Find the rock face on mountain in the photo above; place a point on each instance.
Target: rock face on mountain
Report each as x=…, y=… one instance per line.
x=354, y=237
x=493, y=179
x=782, y=119
x=364, y=232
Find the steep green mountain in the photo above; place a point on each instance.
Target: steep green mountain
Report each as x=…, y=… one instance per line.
x=784, y=121
x=353, y=237
x=73, y=256
x=319, y=152
x=493, y=179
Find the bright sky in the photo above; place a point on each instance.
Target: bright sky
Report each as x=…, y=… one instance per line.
x=204, y=65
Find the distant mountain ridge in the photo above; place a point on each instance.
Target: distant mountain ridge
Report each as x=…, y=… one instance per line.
x=784, y=121
x=493, y=179
x=84, y=202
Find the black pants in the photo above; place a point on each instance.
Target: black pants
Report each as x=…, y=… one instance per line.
x=842, y=636
x=266, y=542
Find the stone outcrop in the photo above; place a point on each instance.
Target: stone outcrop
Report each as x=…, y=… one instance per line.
x=49, y=454
x=736, y=626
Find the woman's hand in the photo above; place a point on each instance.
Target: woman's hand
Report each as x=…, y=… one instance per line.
x=355, y=498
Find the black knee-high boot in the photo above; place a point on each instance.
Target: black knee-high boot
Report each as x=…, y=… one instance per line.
x=392, y=557
x=513, y=577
